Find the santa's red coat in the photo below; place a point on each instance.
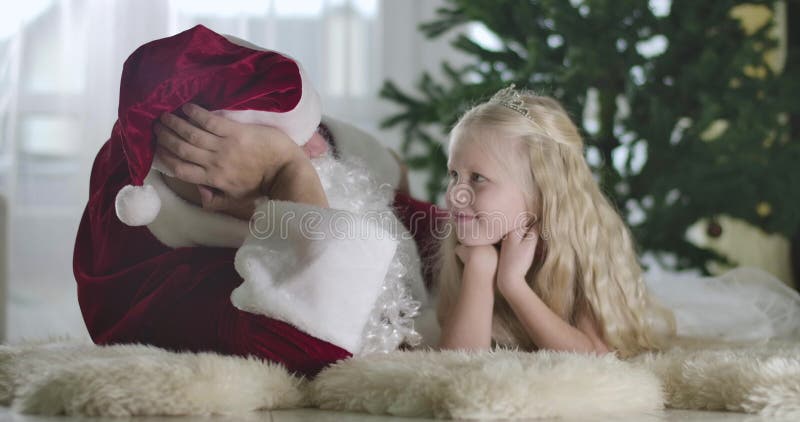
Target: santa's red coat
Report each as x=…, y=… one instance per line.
x=134, y=289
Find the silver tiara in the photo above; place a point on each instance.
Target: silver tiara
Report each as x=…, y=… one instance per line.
x=509, y=97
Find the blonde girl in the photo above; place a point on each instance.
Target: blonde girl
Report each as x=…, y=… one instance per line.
x=536, y=257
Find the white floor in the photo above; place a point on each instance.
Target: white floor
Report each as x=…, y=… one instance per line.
x=307, y=415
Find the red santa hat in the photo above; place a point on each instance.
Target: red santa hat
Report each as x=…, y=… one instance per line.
x=229, y=76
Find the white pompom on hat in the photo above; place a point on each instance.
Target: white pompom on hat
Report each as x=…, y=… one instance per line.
x=227, y=75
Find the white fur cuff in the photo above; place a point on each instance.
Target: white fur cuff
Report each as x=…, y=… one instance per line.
x=319, y=269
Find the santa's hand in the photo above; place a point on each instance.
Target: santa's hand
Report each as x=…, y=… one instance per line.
x=213, y=199
x=237, y=159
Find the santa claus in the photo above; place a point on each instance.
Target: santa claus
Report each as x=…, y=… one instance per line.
x=301, y=283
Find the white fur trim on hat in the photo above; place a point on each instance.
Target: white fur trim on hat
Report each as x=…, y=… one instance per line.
x=137, y=205
x=298, y=123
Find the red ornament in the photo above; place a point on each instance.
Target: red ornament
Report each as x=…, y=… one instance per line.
x=714, y=229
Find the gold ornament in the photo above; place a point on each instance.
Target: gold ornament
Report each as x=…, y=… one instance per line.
x=751, y=16
x=763, y=209
x=714, y=130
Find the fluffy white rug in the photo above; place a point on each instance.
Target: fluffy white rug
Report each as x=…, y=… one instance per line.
x=75, y=378
x=763, y=379
x=488, y=385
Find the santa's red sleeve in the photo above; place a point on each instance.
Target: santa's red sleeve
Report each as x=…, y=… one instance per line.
x=427, y=223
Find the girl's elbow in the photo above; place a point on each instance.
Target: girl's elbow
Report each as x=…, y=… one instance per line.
x=467, y=344
x=595, y=345
x=600, y=348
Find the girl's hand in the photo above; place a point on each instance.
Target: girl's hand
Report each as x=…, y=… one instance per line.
x=229, y=161
x=517, y=250
x=481, y=258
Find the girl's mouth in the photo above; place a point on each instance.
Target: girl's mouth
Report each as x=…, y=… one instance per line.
x=460, y=217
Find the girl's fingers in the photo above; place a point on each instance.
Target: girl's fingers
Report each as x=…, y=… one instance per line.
x=531, y=235
x=518, y=237
x=515, y=236
x=190, y=133
x=180, y=148
x=182, y=170
x=207, y=120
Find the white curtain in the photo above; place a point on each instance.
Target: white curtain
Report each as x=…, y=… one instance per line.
x=60, y=64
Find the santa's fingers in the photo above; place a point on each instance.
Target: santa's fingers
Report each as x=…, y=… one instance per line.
x=168, y=139
x=212, y=200
x=217, y=125
x=180, y=169
x=190, y=133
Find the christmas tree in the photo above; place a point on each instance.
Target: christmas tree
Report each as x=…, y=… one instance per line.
x=685, y=108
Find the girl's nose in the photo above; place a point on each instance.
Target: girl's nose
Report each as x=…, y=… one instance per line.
x=461, y=195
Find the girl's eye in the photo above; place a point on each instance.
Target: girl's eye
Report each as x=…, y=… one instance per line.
x=474, y=177
x=477, y=177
